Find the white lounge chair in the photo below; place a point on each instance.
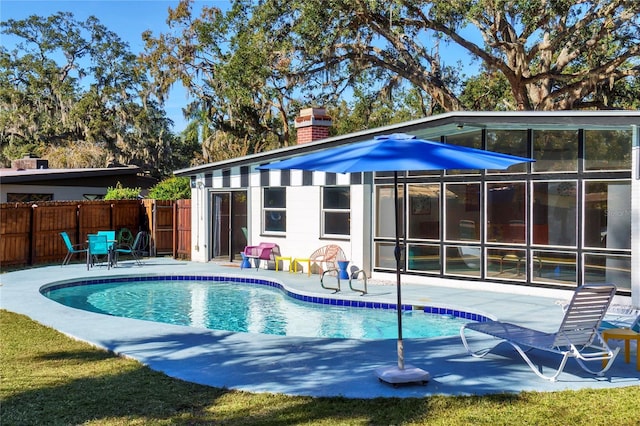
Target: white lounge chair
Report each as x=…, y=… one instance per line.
x=617, y=316
x=578, y=336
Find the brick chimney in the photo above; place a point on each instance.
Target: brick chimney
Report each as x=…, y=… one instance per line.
x=312, y=124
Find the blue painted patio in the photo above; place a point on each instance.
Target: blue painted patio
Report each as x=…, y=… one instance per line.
x=308, y=366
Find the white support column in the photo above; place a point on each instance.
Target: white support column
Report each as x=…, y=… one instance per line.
x=199, y=211
x=361, y=237
x=635, y=217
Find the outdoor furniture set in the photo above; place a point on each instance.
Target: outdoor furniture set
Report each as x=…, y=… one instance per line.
x=329, y=259
x=106, y=244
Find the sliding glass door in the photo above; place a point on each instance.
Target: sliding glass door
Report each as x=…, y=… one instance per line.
x=228, y=224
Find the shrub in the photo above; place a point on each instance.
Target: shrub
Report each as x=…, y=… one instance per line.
x=173, y=188
x=120, y=193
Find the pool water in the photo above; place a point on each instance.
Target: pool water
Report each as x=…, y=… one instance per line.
x=242, y=307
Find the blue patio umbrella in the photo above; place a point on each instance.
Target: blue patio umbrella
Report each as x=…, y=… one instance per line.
x=397, y=153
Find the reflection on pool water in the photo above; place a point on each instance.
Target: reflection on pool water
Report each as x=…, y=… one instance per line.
x=245, y=307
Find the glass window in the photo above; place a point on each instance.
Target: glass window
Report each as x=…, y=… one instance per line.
x=463, y=260
x=28, y=198
x=385, y=218
x=430, y=173
x=555, y=150
x=274, y=209
x=607, y=149
x=507, y=264
x=506, y=212
x=471, y=139
x=424, y=258
x=463, y=211
x=385, y=257
x=336, y=210
x=554, y=267
x=91, y=197
x=608, y=269
x=555, y=213
x=512, y=142
x=424, y=211
x=607, y=215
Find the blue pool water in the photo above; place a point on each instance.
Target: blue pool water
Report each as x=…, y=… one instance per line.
x=246, y=307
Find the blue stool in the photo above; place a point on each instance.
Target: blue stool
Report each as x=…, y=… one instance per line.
x=342, y=267
x=245, y=261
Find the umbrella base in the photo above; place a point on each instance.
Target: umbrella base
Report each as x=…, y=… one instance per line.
x=396, y=376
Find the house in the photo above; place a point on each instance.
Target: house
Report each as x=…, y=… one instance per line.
x=571, y=217
x=31, y=179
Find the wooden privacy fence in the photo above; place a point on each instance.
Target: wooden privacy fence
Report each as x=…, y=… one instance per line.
x=182, y=229
x=29, y=232
x=170, y=227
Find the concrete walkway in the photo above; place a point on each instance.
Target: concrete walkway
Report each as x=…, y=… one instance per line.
x=308, y=366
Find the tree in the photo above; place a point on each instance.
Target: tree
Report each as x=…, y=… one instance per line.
x=488, y=91
x=251, y=68
x=371, y=108
x=75, y=156
x=241, y=102
x=243, y=81
x=565, y=54
x=67, y=84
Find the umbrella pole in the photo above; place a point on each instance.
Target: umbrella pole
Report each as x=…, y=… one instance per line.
x=401, y=374
x=398, y=255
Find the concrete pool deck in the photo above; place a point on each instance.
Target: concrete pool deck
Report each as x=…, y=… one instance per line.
x=312, y=366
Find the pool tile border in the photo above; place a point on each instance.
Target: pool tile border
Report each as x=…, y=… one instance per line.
x=436, y=310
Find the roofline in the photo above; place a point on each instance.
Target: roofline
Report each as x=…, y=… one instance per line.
x=30, y=175
x=454, y=118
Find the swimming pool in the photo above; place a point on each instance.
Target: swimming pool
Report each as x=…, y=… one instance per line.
x=251, y=305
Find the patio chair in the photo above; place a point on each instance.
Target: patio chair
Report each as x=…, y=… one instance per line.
x=111, y=237
x=617, y=316
x=263, y=251
x=326, y=259
x=71, y=248
x=99, y=246
x=135, y=250
x=125, y=236
x=578, y=336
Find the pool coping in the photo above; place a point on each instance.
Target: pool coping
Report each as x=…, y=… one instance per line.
x=333, y=300
x=308, y=366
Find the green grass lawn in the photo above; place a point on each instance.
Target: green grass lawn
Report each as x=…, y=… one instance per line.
x=48, y=378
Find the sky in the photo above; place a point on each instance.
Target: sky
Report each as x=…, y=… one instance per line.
x=128, y=19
